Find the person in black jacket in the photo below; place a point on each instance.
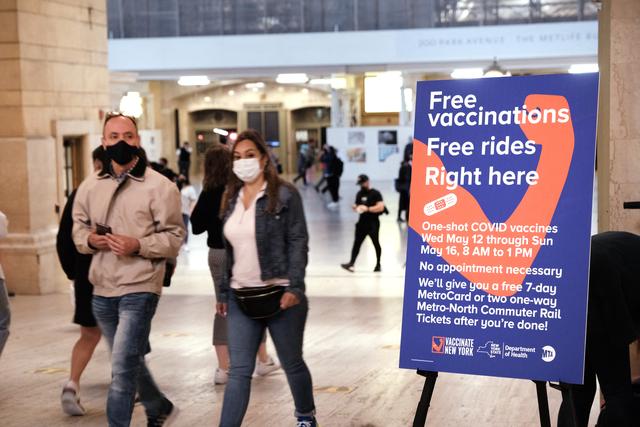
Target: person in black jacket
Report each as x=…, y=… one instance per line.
x=403, y=186
x=206, y=217
x=263, y=287
x=370, y=206
x=613, y=322
x=76, y=267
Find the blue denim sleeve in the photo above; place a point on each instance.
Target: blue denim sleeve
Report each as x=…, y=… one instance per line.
x=298, y=244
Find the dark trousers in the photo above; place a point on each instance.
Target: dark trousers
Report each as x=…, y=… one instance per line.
x=610, y=363
x=183, y=167
x=362, y=231
x=403, y=205
x=319, y=183
x=302, y=174
x=333, y=184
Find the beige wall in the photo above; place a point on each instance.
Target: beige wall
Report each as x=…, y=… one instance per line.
x=619, y=115
x=53, y=79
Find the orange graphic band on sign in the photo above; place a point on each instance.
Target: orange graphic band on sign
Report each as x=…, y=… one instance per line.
x=555, y=141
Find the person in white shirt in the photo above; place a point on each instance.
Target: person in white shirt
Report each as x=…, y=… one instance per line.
x=5, y=312
x=189, y=199
x=263, y=286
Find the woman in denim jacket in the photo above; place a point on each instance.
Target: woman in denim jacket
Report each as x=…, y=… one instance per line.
x=267, y=244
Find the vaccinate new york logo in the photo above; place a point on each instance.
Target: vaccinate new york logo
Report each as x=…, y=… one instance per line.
x=437, y=345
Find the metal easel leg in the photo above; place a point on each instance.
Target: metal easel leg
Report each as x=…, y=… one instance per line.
x=420, y=420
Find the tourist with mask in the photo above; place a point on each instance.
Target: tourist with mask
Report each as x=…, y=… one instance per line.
x=206, y=217
x=129, y=219
x=263, y=287
x=370, y=206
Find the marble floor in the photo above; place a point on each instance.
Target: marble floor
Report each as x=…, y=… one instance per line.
x=351, y=346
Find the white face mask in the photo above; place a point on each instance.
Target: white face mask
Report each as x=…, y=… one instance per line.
x=247, y=169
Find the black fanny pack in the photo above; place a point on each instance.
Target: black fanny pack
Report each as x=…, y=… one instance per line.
x=261, y=302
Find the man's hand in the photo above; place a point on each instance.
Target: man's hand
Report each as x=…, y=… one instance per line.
x=221, y=309
x=98, y=242
x=289, y=299
x=123, y=245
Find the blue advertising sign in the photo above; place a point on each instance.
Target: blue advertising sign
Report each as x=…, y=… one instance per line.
x=499, y=227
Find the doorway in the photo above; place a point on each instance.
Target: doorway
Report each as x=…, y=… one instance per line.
x=73, y=165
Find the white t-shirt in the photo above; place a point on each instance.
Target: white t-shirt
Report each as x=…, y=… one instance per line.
x=240, y=231
x=189, y=196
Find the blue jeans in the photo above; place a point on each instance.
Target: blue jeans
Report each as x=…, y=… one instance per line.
x=126, y=322
x=287, y=330
x=5, y=315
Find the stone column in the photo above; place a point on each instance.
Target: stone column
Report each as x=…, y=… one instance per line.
x=619, y=115
x=53, y=83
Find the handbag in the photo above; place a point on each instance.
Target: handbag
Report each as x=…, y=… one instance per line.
x=260, y=302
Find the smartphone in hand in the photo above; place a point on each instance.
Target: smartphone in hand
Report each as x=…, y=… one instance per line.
x=102, y=229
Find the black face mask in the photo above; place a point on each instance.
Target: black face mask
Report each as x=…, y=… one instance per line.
x=121, y=152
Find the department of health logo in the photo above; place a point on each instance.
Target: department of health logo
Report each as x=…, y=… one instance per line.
x=437, y=345
x=548, y=353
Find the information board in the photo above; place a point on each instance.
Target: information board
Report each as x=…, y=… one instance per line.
x=499, y=227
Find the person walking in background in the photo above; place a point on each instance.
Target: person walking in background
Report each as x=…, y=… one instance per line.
x=76, y=267
x=188, y=199
x=335, y=169
x=370, y=206
x=184, y=159
x=263, y=287
x=206, y=217
x=324, y=166
x=403, y=186
x=129, y=219
x=304, y=163
x=162, y=166
x=5, y=312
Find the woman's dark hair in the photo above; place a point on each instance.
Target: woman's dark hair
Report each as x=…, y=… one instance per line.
x=270, y=173
x=217, y=167
x=98, y=154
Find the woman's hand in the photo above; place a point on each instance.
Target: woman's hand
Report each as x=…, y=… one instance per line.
x=221, y=309
x=289, y=299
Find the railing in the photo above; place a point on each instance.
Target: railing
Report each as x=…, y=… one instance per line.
x=172, y=18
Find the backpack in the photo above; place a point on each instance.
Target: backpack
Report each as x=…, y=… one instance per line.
x=338, y=166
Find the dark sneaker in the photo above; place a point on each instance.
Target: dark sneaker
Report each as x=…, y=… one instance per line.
x=165, y=419
x=71, y=402
x=307, y=422
x=348, y=266
x=377, y=269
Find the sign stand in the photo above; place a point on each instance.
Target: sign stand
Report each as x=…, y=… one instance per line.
x=420, y=419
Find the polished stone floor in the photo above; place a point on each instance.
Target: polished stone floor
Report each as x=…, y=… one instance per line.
x=351, y=347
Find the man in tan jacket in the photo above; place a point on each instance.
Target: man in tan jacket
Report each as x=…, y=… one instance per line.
x=128, y=216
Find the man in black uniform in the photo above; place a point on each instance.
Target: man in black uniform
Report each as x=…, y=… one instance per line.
x=184, y=159
x=370, y=206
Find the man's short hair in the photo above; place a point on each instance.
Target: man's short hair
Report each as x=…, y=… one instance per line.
x=113, y=114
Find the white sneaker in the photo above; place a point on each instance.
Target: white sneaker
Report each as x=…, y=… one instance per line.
x=185, y=248
x=332, y=205
x=221, y=376
x=265, y=368
x=71, y=401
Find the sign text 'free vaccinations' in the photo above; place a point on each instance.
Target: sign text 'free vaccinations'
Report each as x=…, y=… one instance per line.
x=499, y=227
